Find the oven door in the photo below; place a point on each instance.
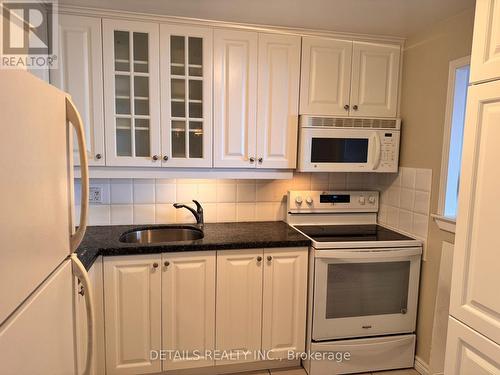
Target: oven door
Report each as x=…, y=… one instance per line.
x=367, y=292
x=339, y=150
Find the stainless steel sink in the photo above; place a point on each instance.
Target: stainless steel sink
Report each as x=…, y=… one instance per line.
x=162, y=234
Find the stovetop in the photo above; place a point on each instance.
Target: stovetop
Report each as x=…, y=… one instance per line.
x=351, y=233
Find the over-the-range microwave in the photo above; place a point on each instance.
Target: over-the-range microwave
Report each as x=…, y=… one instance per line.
x=348, y=144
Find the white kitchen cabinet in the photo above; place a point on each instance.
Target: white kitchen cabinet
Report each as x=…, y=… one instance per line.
x=132, y=301
x=485, y=58
x=474, y=298
x=284, y=301
x=325, y=76
x=131, y=92
x=186, y=55
x=235, y=98
x=188, y=308
x=375, y=77
x=345, y=78
x=278, y=100
x=80, y=74
x=239, y=304
x=472, y=352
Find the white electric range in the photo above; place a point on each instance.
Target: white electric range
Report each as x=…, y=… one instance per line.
x=363, y=282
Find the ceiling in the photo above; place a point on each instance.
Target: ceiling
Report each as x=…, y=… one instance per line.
x=402, y=18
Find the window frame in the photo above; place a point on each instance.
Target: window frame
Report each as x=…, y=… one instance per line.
x=445, y=222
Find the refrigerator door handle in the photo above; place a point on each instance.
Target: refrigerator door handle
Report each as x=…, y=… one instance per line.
x=80, y=272
x=74, y=118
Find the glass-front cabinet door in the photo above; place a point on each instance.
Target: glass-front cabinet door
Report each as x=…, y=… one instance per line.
x=186, y=108
x=131, y=87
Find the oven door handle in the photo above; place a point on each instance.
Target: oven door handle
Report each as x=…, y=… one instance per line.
x=368, y=254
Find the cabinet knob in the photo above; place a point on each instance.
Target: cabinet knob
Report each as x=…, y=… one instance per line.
x=260, y=160
x=259, y=259
x=269, y=258
x=98, y=156
x=167, y=263
x=155, y=157
x=346, y=107
x=252, y=159
x=165, y=158
x=355, y=107
x=155, y=265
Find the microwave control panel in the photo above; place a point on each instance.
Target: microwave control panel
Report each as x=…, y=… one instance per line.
x=389, y=151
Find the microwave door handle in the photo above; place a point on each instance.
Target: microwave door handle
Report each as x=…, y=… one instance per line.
x=377, y=151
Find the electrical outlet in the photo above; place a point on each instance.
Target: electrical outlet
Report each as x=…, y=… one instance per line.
x=95, y=194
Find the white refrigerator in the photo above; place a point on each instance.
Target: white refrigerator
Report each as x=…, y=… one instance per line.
x=38, y=267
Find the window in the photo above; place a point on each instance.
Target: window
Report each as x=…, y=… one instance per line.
x=458, y=81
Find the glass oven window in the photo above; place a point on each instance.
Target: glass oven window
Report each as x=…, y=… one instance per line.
x=362, y=289
x=339, y=150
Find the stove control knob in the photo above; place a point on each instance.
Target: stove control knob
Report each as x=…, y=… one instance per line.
x=371, y=199
x=362, y=200
x=298, y=200
x=309, y=201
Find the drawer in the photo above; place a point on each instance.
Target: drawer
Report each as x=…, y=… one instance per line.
x=365, y=355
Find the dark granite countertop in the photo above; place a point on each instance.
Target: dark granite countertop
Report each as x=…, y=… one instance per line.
x=104, y=240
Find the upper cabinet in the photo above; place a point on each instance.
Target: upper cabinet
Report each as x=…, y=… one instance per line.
x=346, y=78
x=80, y=75
x=256, y=86
x=132, y=93
x=235, y=98
x=186, y=95
x=374, y=83
x=326, y=76
x=278, y=100
x=485, y=58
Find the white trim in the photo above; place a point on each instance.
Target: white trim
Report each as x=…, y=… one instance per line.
x=198, y=173
x=128, y=15
x=454, y=65
x=447, y=224
x=421, y=367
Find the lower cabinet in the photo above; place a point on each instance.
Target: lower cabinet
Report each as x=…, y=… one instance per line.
x=132, y=318
x=180, y=310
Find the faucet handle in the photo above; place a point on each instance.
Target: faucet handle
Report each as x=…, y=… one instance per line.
x=198, y=205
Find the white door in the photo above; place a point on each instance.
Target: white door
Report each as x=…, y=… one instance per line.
x=235, y=98
x=474, y=296
x=131, y=92
x=284, y=301
x=80, y=75
x=239, y=304
x=278, y=100
x=326, y=76
x=132, y=304
x=39, y=337
x=485, y=58
x=473, y=354
x=188, y=308
x=375, y=77
x=186, y=56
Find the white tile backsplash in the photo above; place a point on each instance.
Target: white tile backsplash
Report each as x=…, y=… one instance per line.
x=404, y=198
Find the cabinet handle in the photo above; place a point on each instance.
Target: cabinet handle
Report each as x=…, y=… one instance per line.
x=355, y=107
x=155, y=157
x=260, y=160
x=346, y=107
x=165, y=158
x=252, y=159
x=155, y=265
x=98, y=156
x=269, y=258
x=259, y=259
x=167, y=263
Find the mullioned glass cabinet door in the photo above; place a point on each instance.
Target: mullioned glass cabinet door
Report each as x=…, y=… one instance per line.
x=186, y=108
x=131, y=87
